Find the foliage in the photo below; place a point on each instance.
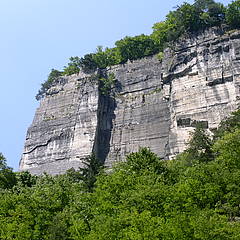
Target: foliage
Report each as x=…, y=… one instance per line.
x=184, y=19
x=160, y=56
x=230, y=124
x=52, y=78
x=132, y=48
x=25, y=179
x=161, y=33
x=233, y=14
x=106, y=83
x=145, y=160
x=73, y=66
x=88, y=63
x=89, y=172
x=200, y=146
x=188, y=18
x=7, y=177
x=3, y=163
x=107, y=57
x=193, y=197
x=210, y=13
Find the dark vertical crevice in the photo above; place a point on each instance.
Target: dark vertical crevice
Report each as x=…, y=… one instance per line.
x=105, y=116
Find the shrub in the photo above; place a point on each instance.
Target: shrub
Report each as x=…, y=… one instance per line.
x=106, y=83
x=160, y=56
x=131, y=48
x=73, y=66
x=187, y=18
x=52, y=77
x=87, y=63
x=233, y=14
x=7, y=176
x=228, y=125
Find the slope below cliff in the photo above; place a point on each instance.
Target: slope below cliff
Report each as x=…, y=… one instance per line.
x=153, y=103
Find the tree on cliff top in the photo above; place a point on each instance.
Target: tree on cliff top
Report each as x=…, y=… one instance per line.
x=233, y=14
x=52, y=77
x=184, y=19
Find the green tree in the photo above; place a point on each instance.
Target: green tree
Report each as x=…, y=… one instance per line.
x=101, y=58
x=52, y=78
x=73, y=66
x=114, y=56
x=230, y=124
x=233, y=14
x=89, y=172
x=7, y=176
x=3, y=162
x=211, y=13
x=200, y=146
x=145, y=160
x=185, y=18
x=228, y=149
x=107, y=57
x=131, y=48
x=88, y=63
x=106, y=83
x=25, y=179
x=161, y=32
x=227, y=163
x=129, y=199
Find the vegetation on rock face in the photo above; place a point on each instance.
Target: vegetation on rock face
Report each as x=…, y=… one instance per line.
x=195, y=196
x=106, y=83
x=52, y=78
x=228, y=125
x=186, y=18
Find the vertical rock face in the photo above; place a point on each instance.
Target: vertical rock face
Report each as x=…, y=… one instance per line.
x=154, y=103
x=141, y=116
x=63, y=129
x=203, y=78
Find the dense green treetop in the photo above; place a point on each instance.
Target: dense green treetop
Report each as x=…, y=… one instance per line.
x=192, y=197
x=7, y=177
x=233, y=14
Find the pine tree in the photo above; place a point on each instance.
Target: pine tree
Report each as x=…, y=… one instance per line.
x=89, y=172
x=200, y=146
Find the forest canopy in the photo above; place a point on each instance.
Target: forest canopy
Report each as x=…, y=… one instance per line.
x=184, y=19
x=193, y=197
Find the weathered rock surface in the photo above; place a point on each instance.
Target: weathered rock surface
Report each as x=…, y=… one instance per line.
x=203, y=75
x=154, y=103
x=142, y=113
x=63, y=129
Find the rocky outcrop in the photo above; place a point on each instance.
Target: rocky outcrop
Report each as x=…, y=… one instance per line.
x=153, y=103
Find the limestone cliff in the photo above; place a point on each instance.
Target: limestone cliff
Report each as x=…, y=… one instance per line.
x=153, y=103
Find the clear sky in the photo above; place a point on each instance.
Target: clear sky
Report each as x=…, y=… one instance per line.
x=38, y=35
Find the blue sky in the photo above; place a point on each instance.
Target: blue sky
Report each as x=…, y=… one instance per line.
x=38, y=35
